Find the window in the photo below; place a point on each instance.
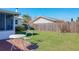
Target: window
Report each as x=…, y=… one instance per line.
x=16, y=22
x=2, y=21
x=6, y=21
x=9, y=22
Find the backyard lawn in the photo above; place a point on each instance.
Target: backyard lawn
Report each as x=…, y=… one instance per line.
x=52, y=41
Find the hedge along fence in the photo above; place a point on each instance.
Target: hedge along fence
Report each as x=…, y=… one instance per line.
x=58, y=27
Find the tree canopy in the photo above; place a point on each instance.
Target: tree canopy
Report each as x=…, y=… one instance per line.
x=26, y=18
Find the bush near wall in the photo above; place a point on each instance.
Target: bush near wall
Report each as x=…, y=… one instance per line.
x=20, y=28
x=28, y=27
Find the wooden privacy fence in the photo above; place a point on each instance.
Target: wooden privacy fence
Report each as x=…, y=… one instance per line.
x=46, y=27
x=58, y=27
x=70, y=27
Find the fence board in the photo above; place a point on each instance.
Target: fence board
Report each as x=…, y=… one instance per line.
x=58, y=27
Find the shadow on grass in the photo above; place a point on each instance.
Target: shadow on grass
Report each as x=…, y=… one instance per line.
x=28, y=34
x=33, y=46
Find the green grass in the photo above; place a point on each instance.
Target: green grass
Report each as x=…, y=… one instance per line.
x=52, y=41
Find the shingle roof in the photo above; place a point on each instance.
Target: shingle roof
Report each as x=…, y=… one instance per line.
x=9, y=12
x=50, y=19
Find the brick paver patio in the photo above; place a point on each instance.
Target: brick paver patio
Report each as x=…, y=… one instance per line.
x=19, y=45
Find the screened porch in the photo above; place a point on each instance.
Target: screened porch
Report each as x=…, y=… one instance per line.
x=6, y=22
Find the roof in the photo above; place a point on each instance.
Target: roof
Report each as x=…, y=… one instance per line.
x=9, y=12
x=50, y=19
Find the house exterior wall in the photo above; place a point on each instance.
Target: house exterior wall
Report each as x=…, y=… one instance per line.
x=41, y=20
x=19, y=21
x=5, y=34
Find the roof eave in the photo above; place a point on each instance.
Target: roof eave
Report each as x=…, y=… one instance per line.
x=9, y=12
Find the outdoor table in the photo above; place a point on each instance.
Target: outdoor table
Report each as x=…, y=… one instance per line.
x=17, y=36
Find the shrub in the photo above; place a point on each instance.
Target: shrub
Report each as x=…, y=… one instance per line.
x=20, y=28
x=30, y=27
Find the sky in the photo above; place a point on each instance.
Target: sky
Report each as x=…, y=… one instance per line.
x=59, y=13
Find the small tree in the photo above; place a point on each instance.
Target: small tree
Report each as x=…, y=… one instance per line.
x=26, y=18
x=27, y=22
